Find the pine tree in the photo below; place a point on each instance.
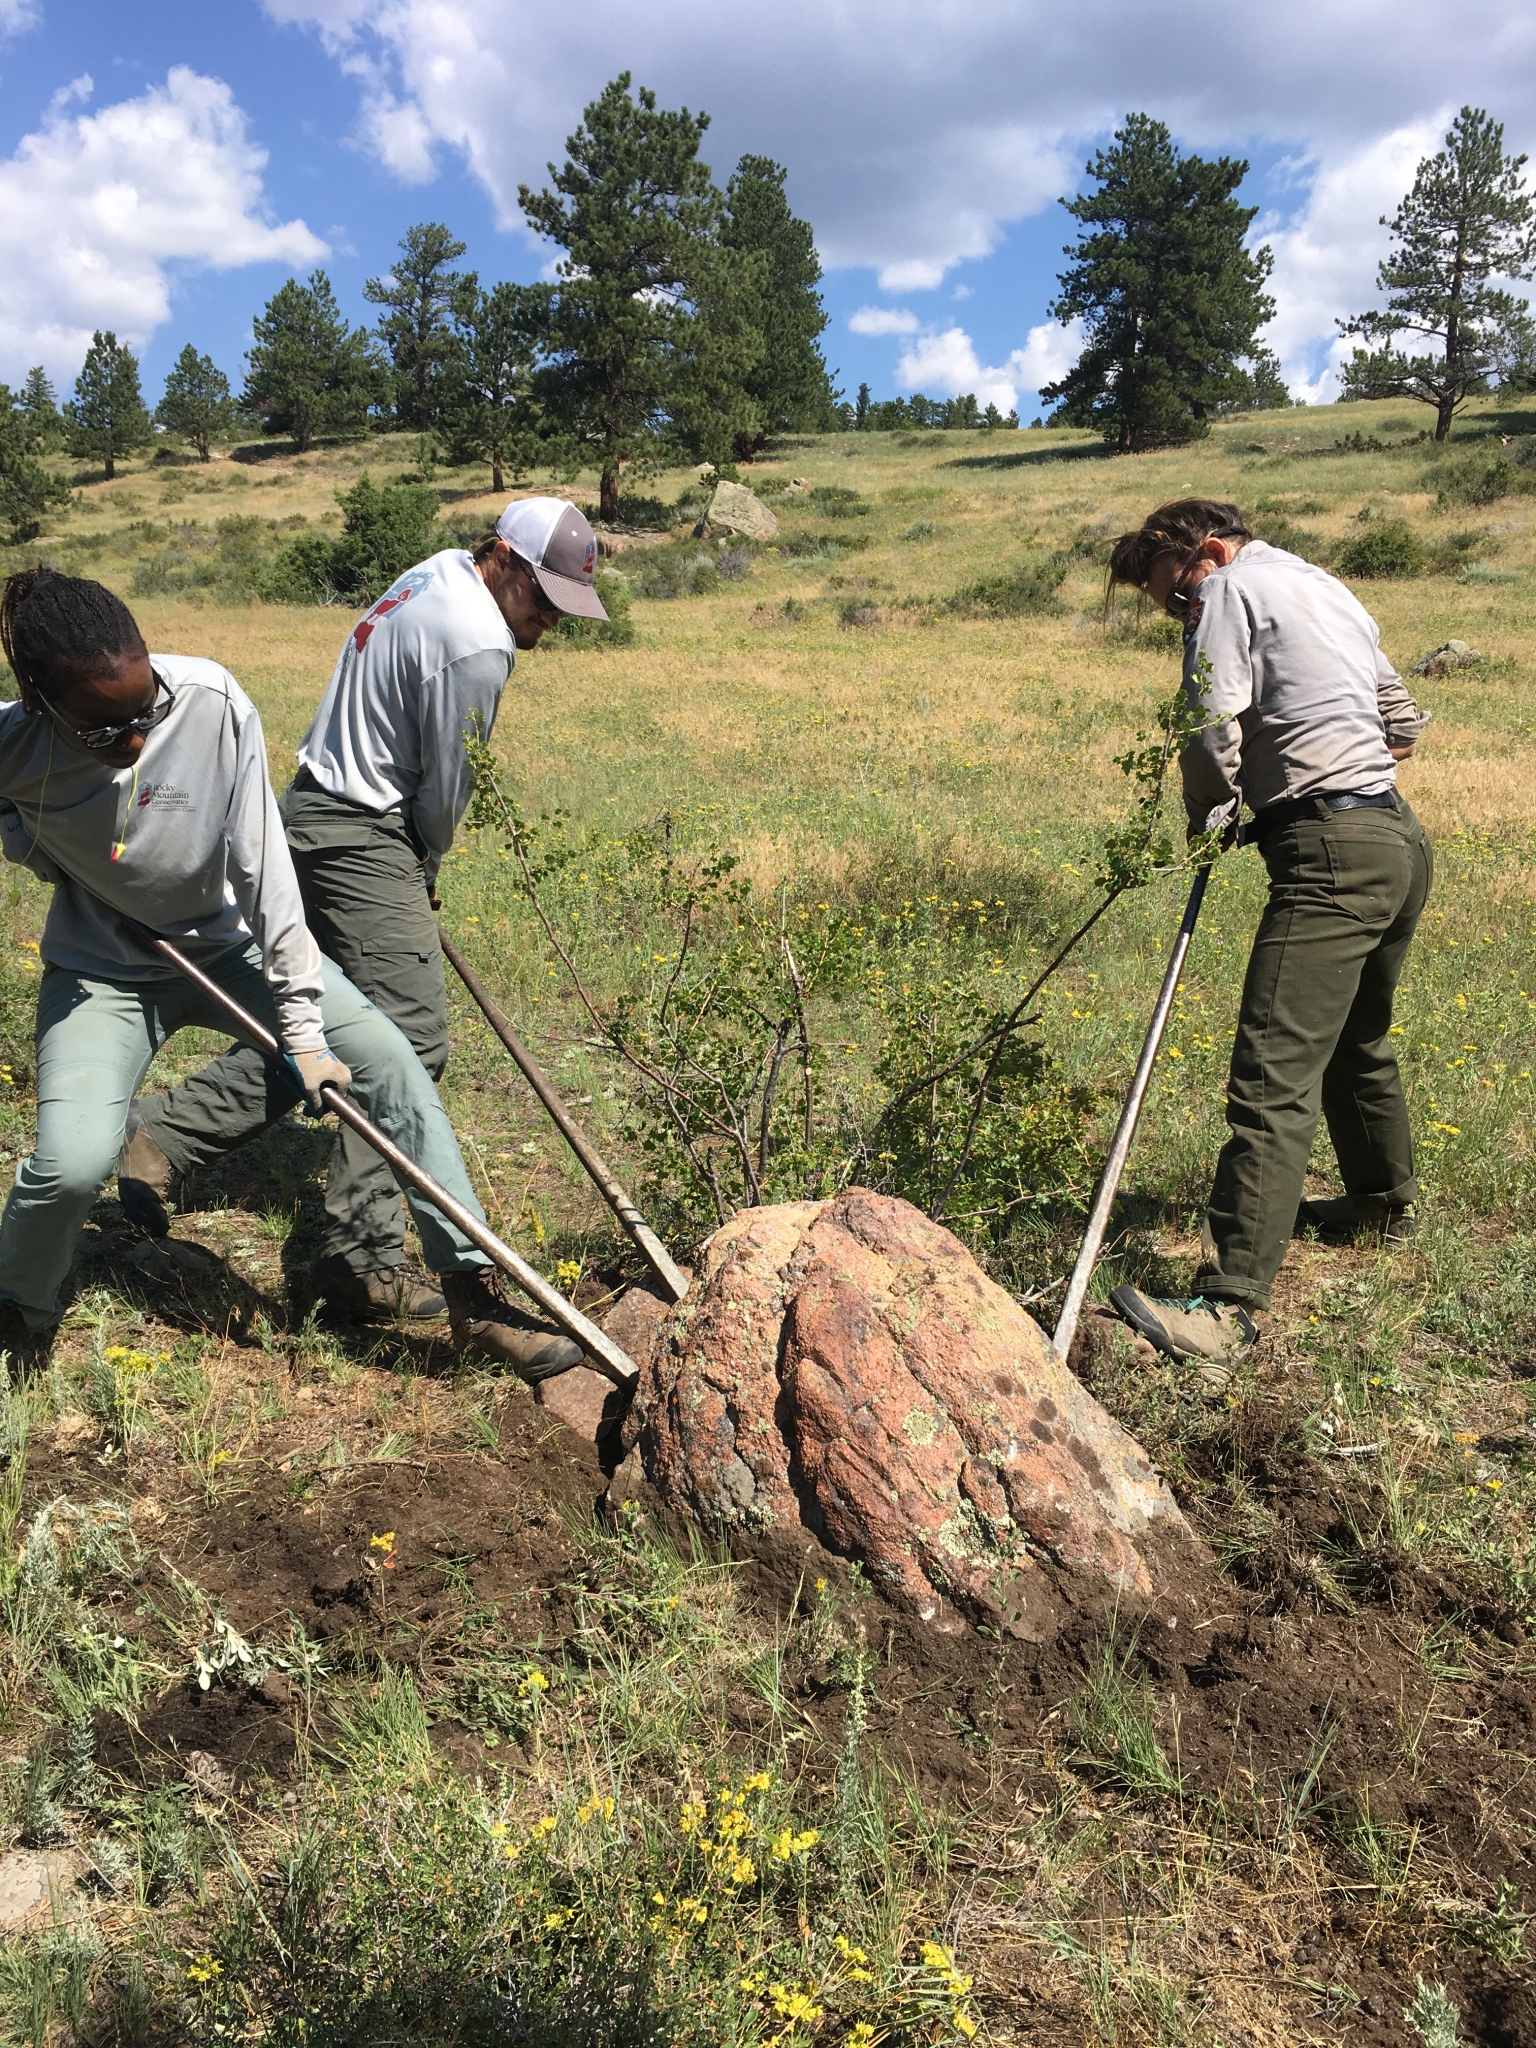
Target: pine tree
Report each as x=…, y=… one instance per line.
x=620, y=332
x=196, y=405
x=40, y=403
x=1467, y=219
x=861, y=410
x=106, y=418
x=1170, y=298
x=308, y=372
x=1264, y=389
x=789, y=382
x=420, y=293
x=28, y=491
x=485, y=408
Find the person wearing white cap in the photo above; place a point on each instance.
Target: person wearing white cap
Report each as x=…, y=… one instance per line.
x=383, y=781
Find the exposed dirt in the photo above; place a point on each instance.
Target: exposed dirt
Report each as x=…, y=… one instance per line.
x=1263, y=1679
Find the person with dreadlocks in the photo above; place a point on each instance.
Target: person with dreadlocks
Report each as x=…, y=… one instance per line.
x=1304, y=722
x=137, y=785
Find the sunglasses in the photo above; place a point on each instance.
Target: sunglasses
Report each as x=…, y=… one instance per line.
x=100, y=737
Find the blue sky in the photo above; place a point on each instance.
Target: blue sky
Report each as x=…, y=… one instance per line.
x=926, y=143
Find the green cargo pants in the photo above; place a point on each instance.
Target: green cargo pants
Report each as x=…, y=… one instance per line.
x=365, y=901
x=1346, y=892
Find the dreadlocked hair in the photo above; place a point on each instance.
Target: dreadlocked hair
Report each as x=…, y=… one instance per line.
x=60, y=630
x=1174, y=529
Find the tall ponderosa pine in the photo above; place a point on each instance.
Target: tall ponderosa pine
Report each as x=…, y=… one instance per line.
x=486, y=411
x=1467, y=219
x=308, y=372
x=106, y=418
x=1170, y=298
x=28, y=490
x=420, y=293
x=627, y=350
x=789, y=382
x=196, y=405
x=39, y=401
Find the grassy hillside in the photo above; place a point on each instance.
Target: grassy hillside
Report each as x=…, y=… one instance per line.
x=1272, y=1840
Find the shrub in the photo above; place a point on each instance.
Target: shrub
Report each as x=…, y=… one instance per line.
x=617, y=630
x=920, y=529
x=385, y=532
x=1281, y=532
x=1386, y=548
x=734, y=564
x=835, y=501
x=859, y=611
x=1479, y=477
x=680, y=569
x=1028, y=590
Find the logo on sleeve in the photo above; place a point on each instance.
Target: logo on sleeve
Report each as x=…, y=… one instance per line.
x=397, y=594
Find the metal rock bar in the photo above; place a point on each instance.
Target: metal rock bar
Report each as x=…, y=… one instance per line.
x=652, y=1249
x=602, y=1351
x=1125, y=1129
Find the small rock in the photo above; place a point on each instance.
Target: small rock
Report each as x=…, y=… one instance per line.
x=207, y=1776
x=28, y=1880
x=733, y=509
x=584, y=1400
x=633, y=1321
x=1442, y=660
x=276, y=1689
x=76, y=1432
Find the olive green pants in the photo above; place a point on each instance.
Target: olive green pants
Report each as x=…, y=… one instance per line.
x=1346, y=892
x=365, y=901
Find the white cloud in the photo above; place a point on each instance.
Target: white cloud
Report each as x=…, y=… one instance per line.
x=947, y=363
x=1047, y=355
x=883, y=320
x=98, y=210
x=1325, y=261
x=15, y=15
x=915, y=130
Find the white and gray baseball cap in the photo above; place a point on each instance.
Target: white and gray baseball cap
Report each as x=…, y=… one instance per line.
x=558, y=544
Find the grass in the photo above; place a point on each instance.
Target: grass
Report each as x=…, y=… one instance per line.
x=831, y=712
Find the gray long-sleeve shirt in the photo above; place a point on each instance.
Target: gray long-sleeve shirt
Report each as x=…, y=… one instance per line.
x=431, y=658
x=1300, y=698
x=188, y=843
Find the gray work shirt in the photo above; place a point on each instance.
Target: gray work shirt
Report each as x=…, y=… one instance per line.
x=187, y=842
x=1300, y=698
x=427, y=662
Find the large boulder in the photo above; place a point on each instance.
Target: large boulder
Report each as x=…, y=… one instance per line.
x=732, y=509
x=846, y=1367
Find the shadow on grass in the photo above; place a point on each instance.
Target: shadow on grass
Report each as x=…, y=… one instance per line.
x=1029, y=459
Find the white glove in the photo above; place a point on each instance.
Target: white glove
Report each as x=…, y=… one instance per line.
x=317, y=1069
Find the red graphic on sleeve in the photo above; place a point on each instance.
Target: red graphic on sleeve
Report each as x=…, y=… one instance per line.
x=391, y=601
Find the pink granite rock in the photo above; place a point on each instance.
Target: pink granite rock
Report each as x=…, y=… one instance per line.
x=847, y=1367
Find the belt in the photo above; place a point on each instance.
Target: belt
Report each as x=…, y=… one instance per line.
x=1273, y=816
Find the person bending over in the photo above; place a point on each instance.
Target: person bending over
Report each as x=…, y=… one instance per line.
x=137, y=785
x=383, y=781
x=1305, y=723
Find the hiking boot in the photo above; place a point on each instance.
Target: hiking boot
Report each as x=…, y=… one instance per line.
x=145, y=1178
x=1195, y=1328
x=19, y=1341
x=389, y=1294
x=1358, y=1219
x=486, y=1325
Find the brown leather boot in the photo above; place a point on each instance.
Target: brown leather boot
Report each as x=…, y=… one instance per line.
x=1358, y=1219
x=486, y=1325
x=145, y=1178
x=389, y=1294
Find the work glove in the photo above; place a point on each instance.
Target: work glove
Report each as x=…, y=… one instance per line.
x=313, y=1070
